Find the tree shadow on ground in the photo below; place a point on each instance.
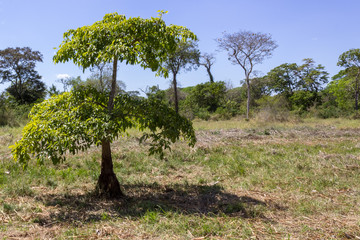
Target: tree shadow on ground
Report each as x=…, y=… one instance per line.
x=144, y=198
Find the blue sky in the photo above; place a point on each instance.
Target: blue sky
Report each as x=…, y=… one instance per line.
x=318, y=29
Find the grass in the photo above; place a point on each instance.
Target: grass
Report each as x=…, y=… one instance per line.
x=243, y=180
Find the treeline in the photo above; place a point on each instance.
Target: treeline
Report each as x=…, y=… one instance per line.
x=291, y=89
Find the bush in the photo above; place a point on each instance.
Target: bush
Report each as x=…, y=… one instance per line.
x=325, y=112
x=273, y=109
x=207, y=96
x=203, y=114
x=11, y=113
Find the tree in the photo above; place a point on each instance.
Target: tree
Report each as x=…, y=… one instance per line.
x=348, y=80
x=311, y=81
x=53, y=90
x=247, y=49
x=185, y=57
x=207, y=95
x=17, y=66
x=74, y=121
x=284, y=79
x=101, y=78
x=70, y=82
x=312, y=77
x=207, y=60
x=300, y=85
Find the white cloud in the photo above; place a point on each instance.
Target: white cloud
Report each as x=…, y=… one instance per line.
x=62, y=75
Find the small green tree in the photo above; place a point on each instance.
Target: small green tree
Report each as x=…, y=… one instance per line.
x=185, y=57
x=284, y=80
x=209, y=95
x=300, y=85
x=346, y=84
x=75, y=120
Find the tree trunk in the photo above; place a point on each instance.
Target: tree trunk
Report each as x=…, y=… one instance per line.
x=357, y=91
x=356, y=95
x=210, y=75
x=357, y=100
x=175, y=94
x=113, y=86
x=248, y=98
x=108, y=185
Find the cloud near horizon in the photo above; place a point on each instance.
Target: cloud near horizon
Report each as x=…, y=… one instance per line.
x=62, y=75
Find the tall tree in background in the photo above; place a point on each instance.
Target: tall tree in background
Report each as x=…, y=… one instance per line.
x=348, y=80
x=207, y=60
x=284, y=79
x=185, y=57
x=312, y=77
x=17, y=66
x=247, y=49
x=300, y=85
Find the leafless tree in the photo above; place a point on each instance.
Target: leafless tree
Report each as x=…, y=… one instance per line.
x=207, y=60
x=247, y=49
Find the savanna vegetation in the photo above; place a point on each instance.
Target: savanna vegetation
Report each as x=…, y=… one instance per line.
x=277, y=158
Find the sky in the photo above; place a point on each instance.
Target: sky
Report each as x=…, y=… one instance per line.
x=317, y=29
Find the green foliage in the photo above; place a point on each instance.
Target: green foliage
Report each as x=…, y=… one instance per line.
x=32, y=91
x=73, y=121
x=185, y=57
x=237, y=94
x=342, y=87
x=227, y=110
x=53, y=90
x=146, y=42
x=302, y=100
x=209, y=95
x=346, y=84
x=17, y=66
x=299, y=85
x=350, y=58
x=156, y=93
x=284, y=79
x=11, y=113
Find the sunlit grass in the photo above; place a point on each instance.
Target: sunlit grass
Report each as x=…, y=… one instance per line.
x=243, y=180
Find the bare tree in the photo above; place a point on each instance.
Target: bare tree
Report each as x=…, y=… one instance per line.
x=207, y=60
x=247, y=49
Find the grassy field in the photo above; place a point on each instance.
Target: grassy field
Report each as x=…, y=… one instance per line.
x=243, y=180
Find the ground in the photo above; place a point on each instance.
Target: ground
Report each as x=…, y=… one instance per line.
x=242, y=180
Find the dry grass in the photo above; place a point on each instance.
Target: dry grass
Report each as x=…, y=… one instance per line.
x=243, y=180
